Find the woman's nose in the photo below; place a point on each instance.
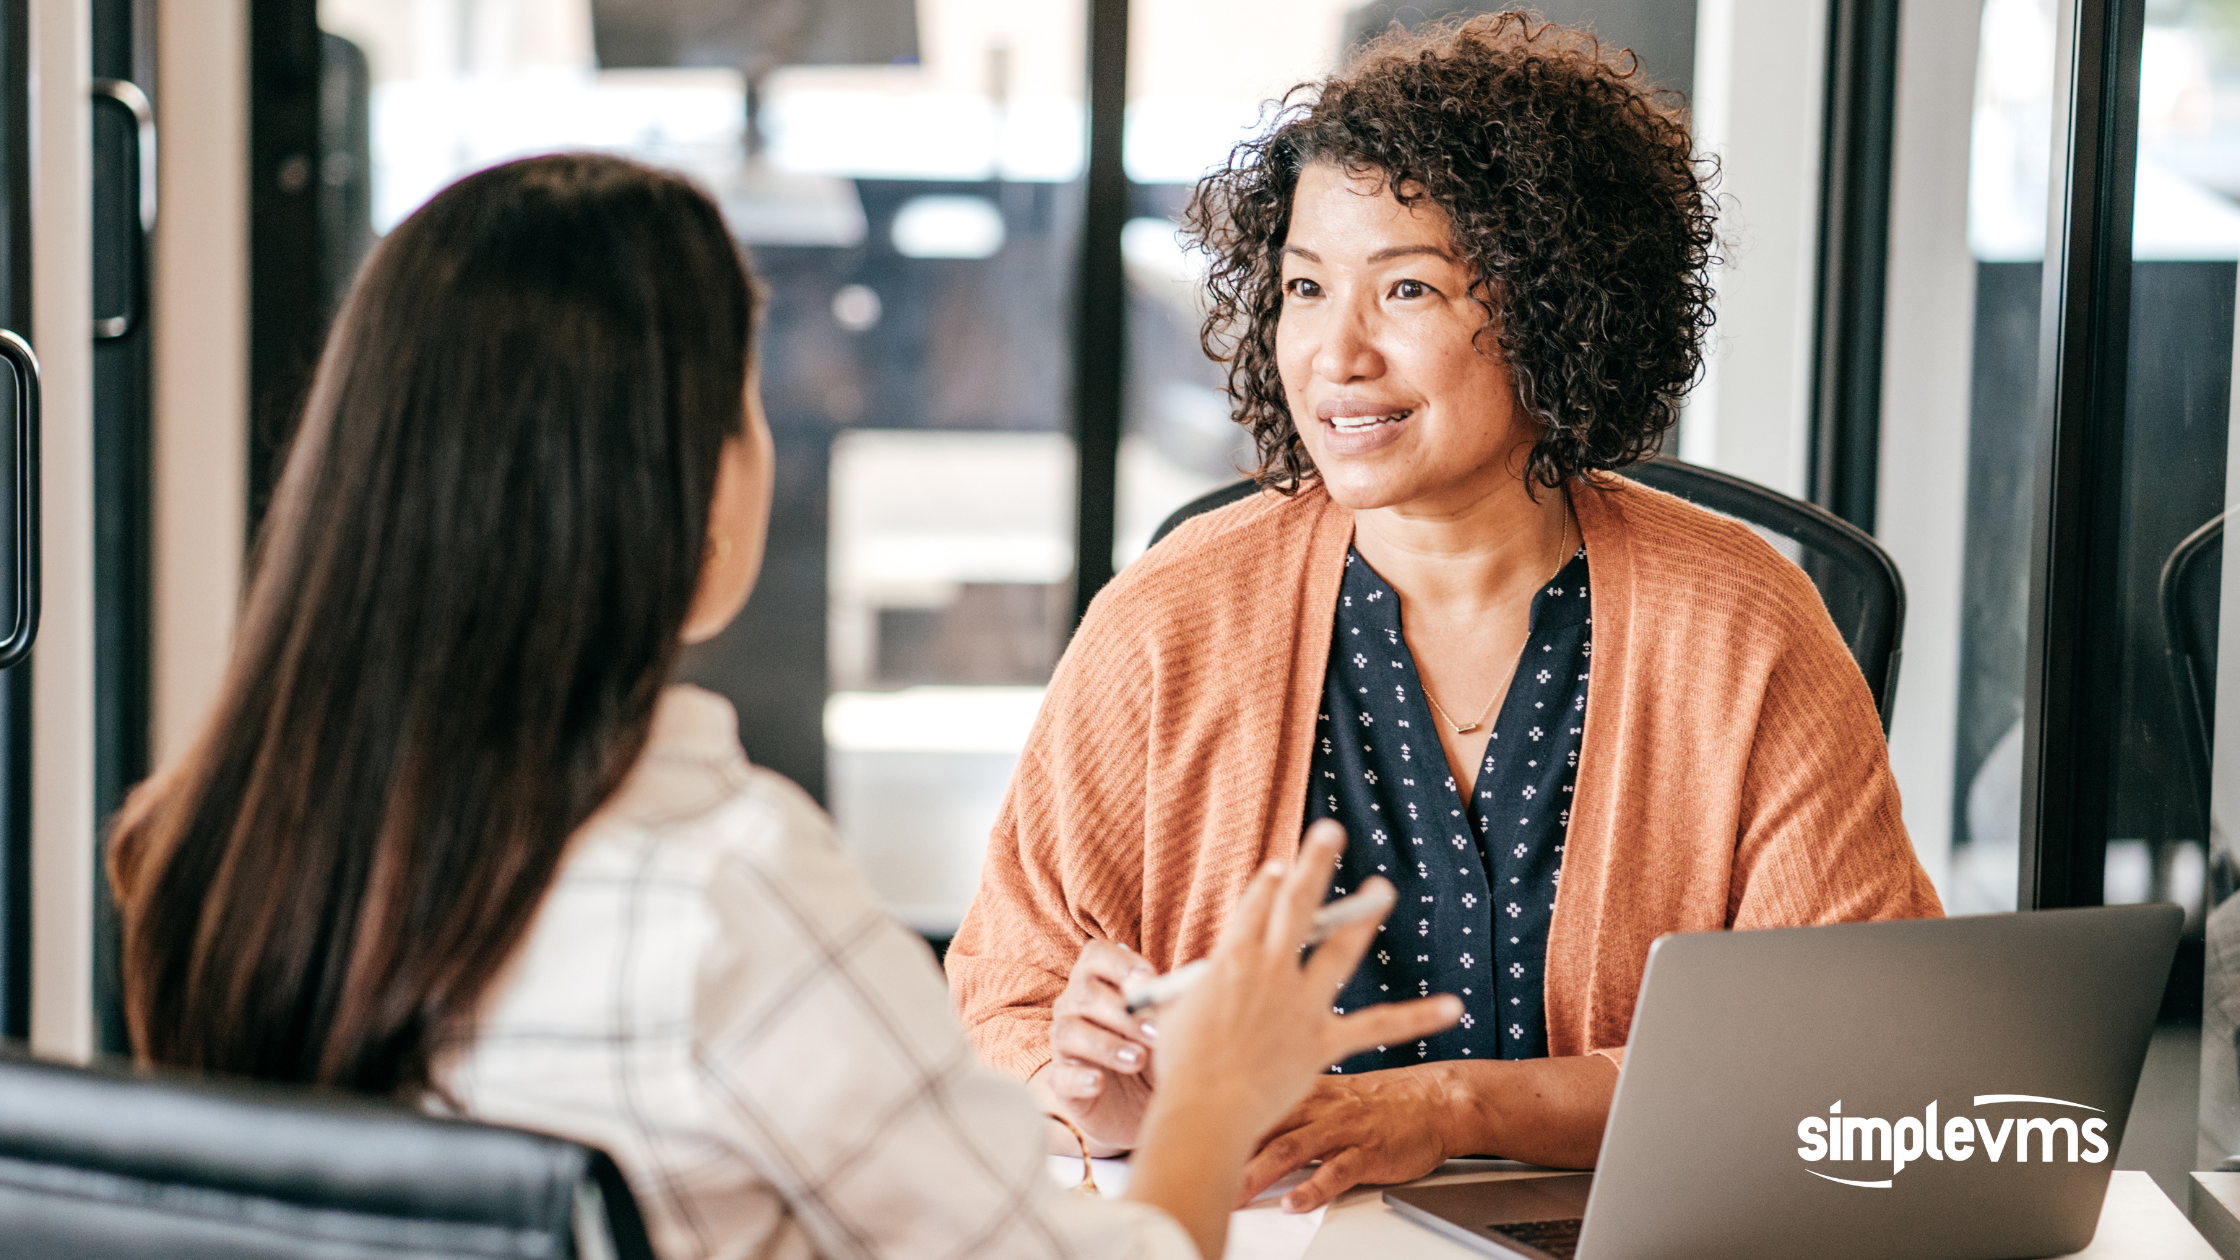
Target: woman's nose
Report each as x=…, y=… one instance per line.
x=1348, y=350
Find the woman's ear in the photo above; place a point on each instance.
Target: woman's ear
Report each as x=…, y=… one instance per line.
x=738, y=523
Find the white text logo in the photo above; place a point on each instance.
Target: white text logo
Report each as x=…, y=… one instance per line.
x=1839, y=1138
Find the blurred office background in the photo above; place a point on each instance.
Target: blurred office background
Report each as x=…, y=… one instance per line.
x=909, y=175
x=980, y=360
x=911, y=185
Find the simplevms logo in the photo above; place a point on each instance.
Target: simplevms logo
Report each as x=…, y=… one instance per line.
x=1841, y=1139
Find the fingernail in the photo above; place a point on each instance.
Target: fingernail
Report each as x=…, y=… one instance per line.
x=1128, y=1055
x=1149, y=1030
x=1087, y=1082
x=1294, y=1202
x=1141, y=969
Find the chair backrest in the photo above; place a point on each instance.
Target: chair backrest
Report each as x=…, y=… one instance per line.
x=1856, y=578
x=103, y=1162
x=2192, y=582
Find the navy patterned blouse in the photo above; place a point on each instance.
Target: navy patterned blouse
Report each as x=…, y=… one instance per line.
x=1476, y=878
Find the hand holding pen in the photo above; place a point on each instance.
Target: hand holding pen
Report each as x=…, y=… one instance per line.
x=1100, y=1074
x=1372, y=901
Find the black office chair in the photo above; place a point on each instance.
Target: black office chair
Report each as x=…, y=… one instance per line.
x=1856, y=578
x=2191, y=584
x=102, y=1162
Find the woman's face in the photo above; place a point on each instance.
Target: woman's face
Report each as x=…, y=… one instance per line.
x=1377, y=348
x=738, y=522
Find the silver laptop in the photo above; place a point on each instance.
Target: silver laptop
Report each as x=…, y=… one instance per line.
x=1926, y=1089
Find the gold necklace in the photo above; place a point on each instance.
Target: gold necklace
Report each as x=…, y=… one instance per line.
x=1460, y=729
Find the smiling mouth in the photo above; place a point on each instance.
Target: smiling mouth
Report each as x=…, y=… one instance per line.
x=1362, y=424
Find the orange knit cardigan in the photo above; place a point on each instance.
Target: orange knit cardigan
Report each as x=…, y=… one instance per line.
x=1733, y=772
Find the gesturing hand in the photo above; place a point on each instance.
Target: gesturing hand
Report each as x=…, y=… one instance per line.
x=1099, y=1075
x=1251, y=1039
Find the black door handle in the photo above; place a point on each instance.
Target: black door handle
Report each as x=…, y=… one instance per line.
x=19, y=580
x=121, y=94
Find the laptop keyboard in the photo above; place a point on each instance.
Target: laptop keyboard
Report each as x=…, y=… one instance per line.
x=1559, y=1238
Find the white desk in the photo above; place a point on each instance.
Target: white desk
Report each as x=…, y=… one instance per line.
x=2138, y=1222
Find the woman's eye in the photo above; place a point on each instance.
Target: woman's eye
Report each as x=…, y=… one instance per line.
x=1408, y=289
x=1302, y=287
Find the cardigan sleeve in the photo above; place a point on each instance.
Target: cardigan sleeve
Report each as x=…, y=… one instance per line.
x=1820, y=838
x=1065, y=857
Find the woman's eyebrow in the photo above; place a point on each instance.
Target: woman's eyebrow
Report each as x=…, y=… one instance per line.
x=1402, y=251
x=1386, y=254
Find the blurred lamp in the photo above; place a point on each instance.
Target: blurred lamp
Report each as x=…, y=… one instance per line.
x=948, y=227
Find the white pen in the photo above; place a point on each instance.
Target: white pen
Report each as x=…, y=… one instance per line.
x=1369, y=903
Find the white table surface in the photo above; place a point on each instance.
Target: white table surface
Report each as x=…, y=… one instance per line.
x=2137, y=1222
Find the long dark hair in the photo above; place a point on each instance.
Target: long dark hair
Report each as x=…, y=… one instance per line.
x=467, y=597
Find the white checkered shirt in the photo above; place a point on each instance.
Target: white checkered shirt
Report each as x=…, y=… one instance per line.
x=711, y=995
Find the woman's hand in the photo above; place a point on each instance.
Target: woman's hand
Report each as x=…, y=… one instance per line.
x=1377, y=1127
x=1401, y=1123
x=1240, y=1050
x=1099, y=1074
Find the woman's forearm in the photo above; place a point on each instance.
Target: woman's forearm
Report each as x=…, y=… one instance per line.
x=1190, y=1165
x=1549, y=1112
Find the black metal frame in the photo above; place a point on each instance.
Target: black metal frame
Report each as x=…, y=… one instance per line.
x=1100, y=346
x=1857, y=138
x=15, y=684
x=123, y=370
x=287, y=292
x=2069, y=692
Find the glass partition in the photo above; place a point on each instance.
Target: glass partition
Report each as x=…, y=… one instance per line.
x=2120, y=781
x=2175, y=783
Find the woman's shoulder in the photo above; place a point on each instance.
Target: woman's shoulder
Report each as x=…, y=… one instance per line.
x=739, y=850
x=693, y=802
x=1690, y=563
x=714, y=816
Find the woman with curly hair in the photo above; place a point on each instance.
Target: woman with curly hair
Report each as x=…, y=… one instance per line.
x=1457, y=287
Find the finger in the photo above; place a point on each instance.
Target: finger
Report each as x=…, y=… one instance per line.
x=1391, y=1023
x=1085, y=1042
x=1333, y=962
x=1301, y=1116
x=1250, y=922
x=1339, y=1173
x=1278, y=1158
x=1109, y=1011
x=1305, y=886
x=1076, y=1081
x=1110, y=962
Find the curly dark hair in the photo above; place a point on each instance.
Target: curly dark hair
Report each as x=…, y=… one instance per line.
x=1573, y=190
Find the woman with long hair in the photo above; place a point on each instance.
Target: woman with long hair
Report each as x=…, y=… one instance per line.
x=452, y=836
